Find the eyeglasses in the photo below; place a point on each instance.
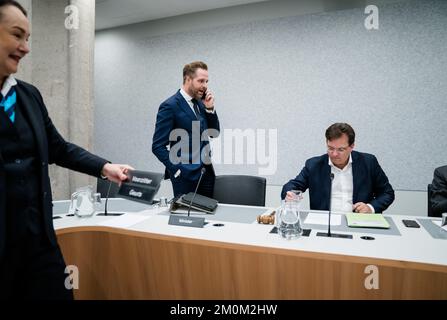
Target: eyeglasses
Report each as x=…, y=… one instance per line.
x=339, y=150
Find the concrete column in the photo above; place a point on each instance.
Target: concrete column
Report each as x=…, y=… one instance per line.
x=61, y=67
x=81, y=44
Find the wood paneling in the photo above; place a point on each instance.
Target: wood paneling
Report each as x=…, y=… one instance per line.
x=119, y=264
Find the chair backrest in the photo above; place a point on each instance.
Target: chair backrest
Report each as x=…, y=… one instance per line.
x=429, y=195
x=240, y=189
x=102, y=186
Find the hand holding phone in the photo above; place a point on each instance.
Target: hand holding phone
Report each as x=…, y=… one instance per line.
x=204, y=95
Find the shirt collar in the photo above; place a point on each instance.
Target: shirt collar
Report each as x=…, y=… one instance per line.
x=7, y=85
x=347, y=166
x=186, y=96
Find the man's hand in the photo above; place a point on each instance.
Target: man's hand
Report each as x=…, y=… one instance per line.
x=361, y=207
x=209, y=100
x=115, y=172
x=290, y=196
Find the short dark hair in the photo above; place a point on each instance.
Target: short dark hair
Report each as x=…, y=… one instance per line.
x=190, y=69
x=4, y=3
x=336, y=130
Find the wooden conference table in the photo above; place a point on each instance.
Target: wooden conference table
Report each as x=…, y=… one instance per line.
x=140, y=256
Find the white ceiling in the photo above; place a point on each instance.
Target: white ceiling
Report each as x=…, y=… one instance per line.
x=113, y=13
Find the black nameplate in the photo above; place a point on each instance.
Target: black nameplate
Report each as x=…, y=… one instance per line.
x=136, y=192
x=140, y=186
x=185, y=221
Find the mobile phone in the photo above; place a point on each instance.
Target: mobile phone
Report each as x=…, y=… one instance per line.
x=411, y=224
x=204, y=95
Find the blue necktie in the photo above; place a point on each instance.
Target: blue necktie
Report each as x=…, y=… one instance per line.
x=8, y=103
x=196, y=108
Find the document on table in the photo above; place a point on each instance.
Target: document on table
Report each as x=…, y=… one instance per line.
x=362, y=220
x=323, y=219
x=438, y=223
x=125, y=221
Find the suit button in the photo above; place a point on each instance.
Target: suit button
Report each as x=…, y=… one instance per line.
x=45, y=194
x=18, y=161
x=43, y=164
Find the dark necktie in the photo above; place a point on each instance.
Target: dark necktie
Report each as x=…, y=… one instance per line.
x=196, y=107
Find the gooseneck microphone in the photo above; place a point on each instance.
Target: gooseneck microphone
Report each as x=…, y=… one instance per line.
x=329, y=234
x=187, y=221
x=330, y=204
x=105, y=213
x=202, y=172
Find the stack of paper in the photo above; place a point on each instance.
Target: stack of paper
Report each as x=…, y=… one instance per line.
x=362, y=220
x=322, y=219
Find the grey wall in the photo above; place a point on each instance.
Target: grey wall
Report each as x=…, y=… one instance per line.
x=297, y=74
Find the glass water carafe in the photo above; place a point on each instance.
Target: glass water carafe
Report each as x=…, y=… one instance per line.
x=84, y=202
x=288, y=220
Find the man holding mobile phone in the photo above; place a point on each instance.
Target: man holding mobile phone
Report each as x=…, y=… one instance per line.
x=185, y=122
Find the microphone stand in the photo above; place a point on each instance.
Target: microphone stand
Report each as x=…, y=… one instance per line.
x=329, y=234
x=330, y=206
x=189, y=221
x=105, y=213
x=195, y=192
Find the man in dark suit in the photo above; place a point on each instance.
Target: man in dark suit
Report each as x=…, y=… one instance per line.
x=359, y=183
x=185, y=122
x=438, y=200
x=31, y=263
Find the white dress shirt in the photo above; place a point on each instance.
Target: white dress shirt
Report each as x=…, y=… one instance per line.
x=188, y=99
x=343, y=188
x=7, y=85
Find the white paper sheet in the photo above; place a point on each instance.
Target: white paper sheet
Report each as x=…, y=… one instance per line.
x=322, y=219
x=125, y=221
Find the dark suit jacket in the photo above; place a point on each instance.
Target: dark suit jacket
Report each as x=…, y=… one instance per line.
x=438, y=199
x=175, y=113
x=369, y=181
x=52, y=149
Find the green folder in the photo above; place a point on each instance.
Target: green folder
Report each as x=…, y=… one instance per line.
x=362, y=220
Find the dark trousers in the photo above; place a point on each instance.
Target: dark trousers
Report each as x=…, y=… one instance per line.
x=32, y=269
x=206, y=187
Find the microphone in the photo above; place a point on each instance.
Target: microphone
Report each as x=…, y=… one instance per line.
x=329, y=234
x=330, y=204
x=105, y=213
x=189, y=221
x=202, y=172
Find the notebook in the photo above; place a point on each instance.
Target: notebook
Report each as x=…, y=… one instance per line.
x=362, y=220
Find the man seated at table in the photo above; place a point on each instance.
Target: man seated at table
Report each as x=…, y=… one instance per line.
x=359, y=183
x=438, y=199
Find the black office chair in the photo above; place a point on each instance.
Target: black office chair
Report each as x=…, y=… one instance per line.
x=102, y=186
x=240, y=189
x=429, y=196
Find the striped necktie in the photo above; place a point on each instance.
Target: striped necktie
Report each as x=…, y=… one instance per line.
x=8, y=103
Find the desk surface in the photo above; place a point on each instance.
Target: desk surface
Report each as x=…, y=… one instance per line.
x=149, y=259
x=411, y=246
